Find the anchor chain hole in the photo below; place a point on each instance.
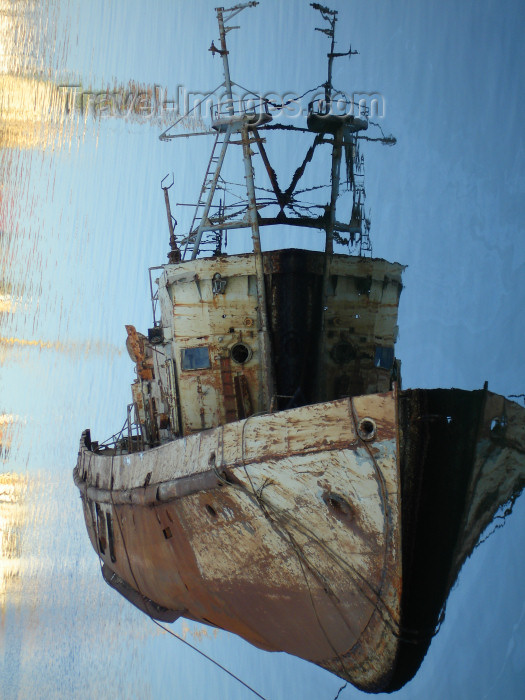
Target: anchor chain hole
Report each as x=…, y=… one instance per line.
x=211, y=511
x=367, y=429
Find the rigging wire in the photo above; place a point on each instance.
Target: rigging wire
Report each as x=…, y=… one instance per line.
x=165, y=136
x=507, y=509
x=283, y=519
x=300, y=555
x=339, y=691
x=260, y=501
x=209, y=658
x=274, y=104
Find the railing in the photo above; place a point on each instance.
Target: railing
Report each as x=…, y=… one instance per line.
x=323, y=108
x=129, y=438
x=154, y=294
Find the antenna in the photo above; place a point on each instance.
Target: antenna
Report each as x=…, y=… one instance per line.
x=223, y=17
x=174, y=254
x=330, y=16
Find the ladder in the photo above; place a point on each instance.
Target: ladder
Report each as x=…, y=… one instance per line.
x=200, y=217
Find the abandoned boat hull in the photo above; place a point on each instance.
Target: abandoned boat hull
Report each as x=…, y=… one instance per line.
x=462, y=458
x=283, y=528
x=333, y=532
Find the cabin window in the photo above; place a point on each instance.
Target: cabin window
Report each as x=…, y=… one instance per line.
x=384, y=357
x=195, y=358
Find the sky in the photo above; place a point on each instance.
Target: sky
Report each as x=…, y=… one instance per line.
x=82, y=218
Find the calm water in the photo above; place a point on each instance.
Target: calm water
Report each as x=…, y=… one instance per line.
x=81, y=220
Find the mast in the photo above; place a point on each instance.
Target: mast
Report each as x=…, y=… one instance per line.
x=331, y=17
x=230, y=119
x=239, y=124
x=224, y=51
x=266, y=385
x=226, y=124
x=339, y=127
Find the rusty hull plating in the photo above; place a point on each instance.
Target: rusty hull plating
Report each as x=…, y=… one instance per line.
x=339, y=545
x=287, y=536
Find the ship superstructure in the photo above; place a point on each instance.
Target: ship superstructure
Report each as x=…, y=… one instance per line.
x=266, y=331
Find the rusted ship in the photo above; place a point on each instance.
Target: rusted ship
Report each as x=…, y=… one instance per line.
x=273, y=479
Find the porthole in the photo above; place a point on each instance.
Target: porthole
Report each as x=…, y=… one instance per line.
x=241, y=353
x=342, y=353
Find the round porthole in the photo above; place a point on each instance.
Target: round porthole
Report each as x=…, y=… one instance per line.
x=240, y=353
x=367, y=429
x=342, y=353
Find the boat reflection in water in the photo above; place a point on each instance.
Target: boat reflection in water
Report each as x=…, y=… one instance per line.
x=273, y=478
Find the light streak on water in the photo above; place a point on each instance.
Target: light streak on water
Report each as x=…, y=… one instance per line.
x=76, y=350
x=12, y=514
